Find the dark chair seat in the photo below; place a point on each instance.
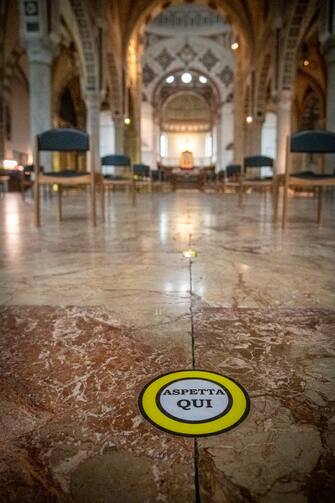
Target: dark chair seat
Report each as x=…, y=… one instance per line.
x=312, y=141
x=66, y=174
x=116, y=178
x=310, y=175
x=259, y=179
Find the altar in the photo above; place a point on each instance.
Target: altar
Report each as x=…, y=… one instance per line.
x=187, y=175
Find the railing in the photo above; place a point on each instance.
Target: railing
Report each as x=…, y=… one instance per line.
x=175, y=161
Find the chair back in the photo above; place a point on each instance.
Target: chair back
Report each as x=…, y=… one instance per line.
x=233, y=170
x=116, y=160
x=258, y=161
x=141, y=170
x=316, y=141
x=63, y=140
x=220, y=174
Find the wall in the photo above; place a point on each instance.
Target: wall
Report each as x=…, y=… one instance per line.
x=20, y=125
x=107, y=133
x=195, y=142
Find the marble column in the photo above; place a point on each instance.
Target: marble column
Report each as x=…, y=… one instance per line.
x=239, y=119
x=40, y=59
x=219, y=166
x=92, y=100
x=330, y=113
x=119, y=135
x=254, y=137
x=284, y=107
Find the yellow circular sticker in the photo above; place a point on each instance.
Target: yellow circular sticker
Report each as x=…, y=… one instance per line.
x=194, y=403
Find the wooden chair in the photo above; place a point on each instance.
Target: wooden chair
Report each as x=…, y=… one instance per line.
x=312, y=142
x=63, y=140
x=157, y=177
x=124, y=178
x=27, y=181
x=142, y=176
x=257, y=162
x=229, y=178
x=207, y=178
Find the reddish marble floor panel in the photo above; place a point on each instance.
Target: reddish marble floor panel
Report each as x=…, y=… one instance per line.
x=70, y=426
x=285, y=450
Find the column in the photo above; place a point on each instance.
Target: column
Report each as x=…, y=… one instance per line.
x=107, y=133
x=227, y=134
x=284, y=106
x=239, y=119
x=93, y=129
x=330, y=113
x=119, y=135
x=219, y=144
x=254, y=137
x=40, y=58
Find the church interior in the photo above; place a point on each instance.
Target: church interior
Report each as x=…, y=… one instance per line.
x=167, y=183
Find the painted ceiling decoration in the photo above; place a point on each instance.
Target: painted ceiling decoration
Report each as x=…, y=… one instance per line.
x=189, y=18
x=226, y=76
x=188, y=38
x=187, y=54
x=209, y=59
x=165, y=59
x=148, y=75
x=187, y=107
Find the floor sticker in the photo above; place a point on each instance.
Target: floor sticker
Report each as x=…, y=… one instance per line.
x=194, y=403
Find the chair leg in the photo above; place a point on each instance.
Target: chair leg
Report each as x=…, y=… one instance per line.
x=240, y=197
x=60, y=203
x=22, y=186
x=133, y=193
x=320, y=202
x=275, y=197
x=93, y=203
x=285, y=203
x=103, y=202
x=37, y=204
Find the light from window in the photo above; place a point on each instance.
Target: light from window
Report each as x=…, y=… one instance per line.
x=163, y=145
x=186, y=77
x=209, y=146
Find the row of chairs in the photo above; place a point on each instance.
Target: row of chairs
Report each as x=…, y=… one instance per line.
x=316, y=141
x=130, y=177
x=241, y=178
x=303, y=142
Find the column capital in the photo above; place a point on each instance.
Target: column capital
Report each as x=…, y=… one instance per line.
x=40, y=51
x=284, y=98
x=92, y=99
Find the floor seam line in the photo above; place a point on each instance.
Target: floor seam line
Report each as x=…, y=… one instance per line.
x=196, y=457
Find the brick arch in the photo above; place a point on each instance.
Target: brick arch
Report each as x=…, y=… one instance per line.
x=301, y=14
x=88, y=45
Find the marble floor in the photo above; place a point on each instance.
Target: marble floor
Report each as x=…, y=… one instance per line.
x=89, y=315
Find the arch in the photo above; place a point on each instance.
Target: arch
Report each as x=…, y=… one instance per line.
x=262, y=84
x=161, y=83
x=302, y=11
x=235, y=10
x=311, y=111
x=88, y=45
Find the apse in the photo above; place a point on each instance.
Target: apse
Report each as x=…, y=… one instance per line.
x=188, y=68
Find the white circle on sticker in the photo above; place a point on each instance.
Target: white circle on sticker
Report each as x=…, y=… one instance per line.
x=194, y=400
